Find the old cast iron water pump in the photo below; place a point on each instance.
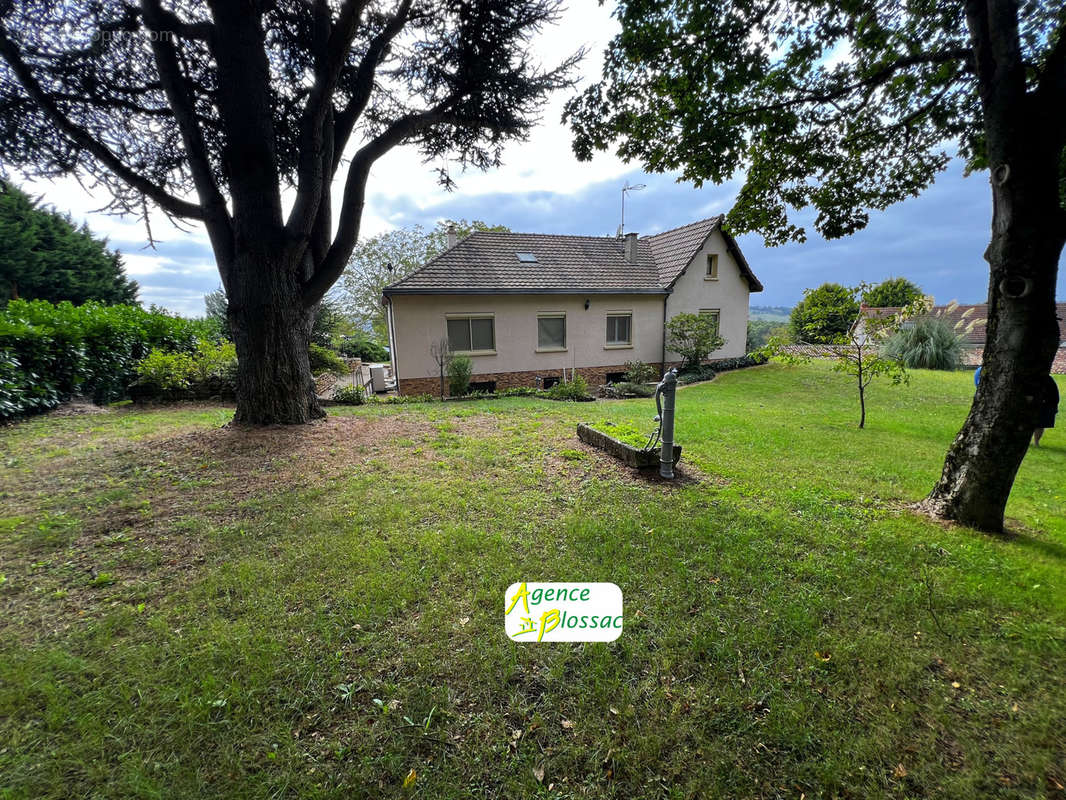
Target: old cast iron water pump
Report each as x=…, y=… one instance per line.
x=664, y=404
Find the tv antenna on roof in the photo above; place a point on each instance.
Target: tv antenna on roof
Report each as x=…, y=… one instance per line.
x=625, y=190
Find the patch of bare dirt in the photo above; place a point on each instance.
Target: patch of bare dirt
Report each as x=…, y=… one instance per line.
x=76, y=407
x=130, y=504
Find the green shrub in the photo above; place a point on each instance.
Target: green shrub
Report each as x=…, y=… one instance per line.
x=627, y=389
x=349, y=396
x=518, y=391
x=403, y=399
x=639, y=372
x=575, y=389
x=50, y=352
x=210, y=370
x=705, y=372
x=930, y=344
x=325, y=360
x=166, y=372
x=693, y=336
x=459, y=370
x=360, y=346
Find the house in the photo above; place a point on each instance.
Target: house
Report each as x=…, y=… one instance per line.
x=529, y=308
x=971, y=322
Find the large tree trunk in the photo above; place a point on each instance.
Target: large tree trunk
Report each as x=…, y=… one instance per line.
x=271, y=330
x=1024, y=147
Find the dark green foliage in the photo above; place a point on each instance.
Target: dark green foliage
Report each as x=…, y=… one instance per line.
x=704, y=372
x=824, y=314
x=349, y=396
x=861, y=134
x=45, y=256
x=761, y=330
x=577, y=388
x=892, y=293
x=930, y=343
x=50, y=352
x=639, y=372
x=210, y=370
x=458, y=372
x=627, y=389
x=325, y=360
x=693, y=337
x=359, y=345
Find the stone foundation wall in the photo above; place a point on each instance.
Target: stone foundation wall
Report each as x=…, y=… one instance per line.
x=972, y=357
x=596, y=376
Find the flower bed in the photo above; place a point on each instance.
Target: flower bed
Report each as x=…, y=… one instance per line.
x=636, y=456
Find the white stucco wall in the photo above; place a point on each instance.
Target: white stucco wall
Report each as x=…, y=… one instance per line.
x=420, y=320
x=729, y=294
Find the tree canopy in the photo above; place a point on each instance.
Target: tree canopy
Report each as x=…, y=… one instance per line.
x=45, y=256
x=824, y=314
x=841, y=107
x=389, y=257
x=892, y=293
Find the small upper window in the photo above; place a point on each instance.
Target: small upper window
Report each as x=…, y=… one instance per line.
x=712, y=266
x=527, y=258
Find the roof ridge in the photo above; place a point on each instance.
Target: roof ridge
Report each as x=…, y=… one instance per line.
x=717, y=219
x=606, y=237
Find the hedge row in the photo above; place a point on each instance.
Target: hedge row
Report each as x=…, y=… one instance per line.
x=50, y=352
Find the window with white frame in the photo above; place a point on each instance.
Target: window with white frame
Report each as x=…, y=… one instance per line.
x=474, y=333
x=714, y=314
x=551, y=331
x=619, y=330
x=712, y=266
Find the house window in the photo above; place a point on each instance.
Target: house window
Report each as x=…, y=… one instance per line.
x=714, y=314
x=527, y=258
x=550, y=382
x=619, y=330
x=551, y=331
x=712, y=267
x=614, y=377
x=487, y=387
x=473, y=334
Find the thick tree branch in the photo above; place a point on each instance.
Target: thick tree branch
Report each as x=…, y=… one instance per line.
x=83, y=139
x=216, y=216
x=364, y=80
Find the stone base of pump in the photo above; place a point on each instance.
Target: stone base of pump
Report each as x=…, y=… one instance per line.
x=635, y=457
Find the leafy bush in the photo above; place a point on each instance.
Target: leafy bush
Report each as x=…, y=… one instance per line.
x=211, y=369
x=325, y=360
x=930, y=344
x=693, y=337
x=627, y=389
x=892, y=293
x=360, y=346
x=459, y=370
x=575, y=389
x=349, y=396
x=50, y=352
x=704, y=372
x=639, y=372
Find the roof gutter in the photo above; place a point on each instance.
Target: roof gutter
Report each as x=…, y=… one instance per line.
x=391, y=290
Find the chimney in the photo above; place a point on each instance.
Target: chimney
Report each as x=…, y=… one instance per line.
x=453, y=238
x=631, y=248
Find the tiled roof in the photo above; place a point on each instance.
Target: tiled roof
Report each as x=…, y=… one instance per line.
x=487, y=262
x=961, y=316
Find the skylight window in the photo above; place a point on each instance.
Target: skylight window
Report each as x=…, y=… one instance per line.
x=526, y=258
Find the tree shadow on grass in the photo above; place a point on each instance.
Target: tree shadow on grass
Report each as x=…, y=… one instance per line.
x=1018, y=535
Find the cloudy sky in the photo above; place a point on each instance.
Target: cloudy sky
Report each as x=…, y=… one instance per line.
x=937, y=239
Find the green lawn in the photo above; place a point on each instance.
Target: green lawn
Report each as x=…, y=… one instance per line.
x=195, y=611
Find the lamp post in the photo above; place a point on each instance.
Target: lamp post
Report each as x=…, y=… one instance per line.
x=625, y=190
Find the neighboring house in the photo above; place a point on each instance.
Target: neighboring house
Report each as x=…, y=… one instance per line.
x=960, y=318
x=528, y=307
